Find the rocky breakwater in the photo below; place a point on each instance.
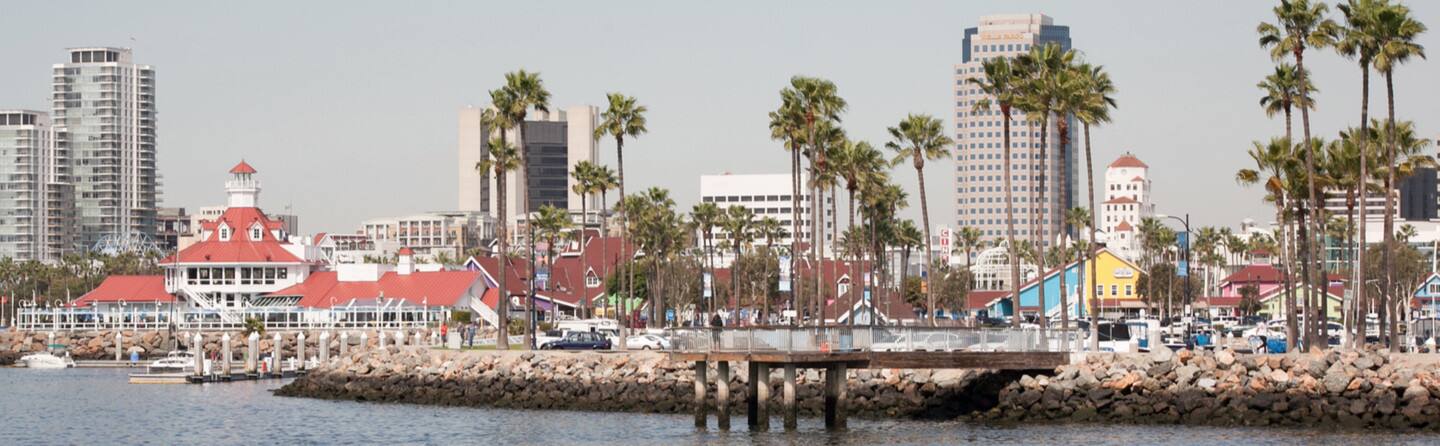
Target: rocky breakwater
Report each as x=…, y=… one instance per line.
x=100, y=344
x=1371, y=389
x=631, y=382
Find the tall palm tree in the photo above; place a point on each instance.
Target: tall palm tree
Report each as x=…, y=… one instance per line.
x=1273, y=162
x=1046, y=73
x=859, y=164
x=1301, y=25
x=624, y=118
x=1395, y=37
x=584, y=175
x=829, y=138
x=1002, y=86
x=771, y=230
x=1359, y=42
x=919, y=138
x=817, y=101
x=501, y=159
x=604, y=180
x=706, y=216
x=525, y=90
x=1078, y=217
x=1281, y=94
x=787, y=123
x=907, y=238
x=1098, y=102
x=970, y=239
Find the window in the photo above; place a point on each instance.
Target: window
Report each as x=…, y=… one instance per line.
x=1114, y=290
x=592, y=281
x=224, y=233
x=255, y=233
x=1129, y=290
x=1099, y=290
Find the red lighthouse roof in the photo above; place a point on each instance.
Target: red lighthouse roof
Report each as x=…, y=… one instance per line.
x=1128, y=160
x=243, y=167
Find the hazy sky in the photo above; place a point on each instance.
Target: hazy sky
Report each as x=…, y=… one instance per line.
x=348, y=109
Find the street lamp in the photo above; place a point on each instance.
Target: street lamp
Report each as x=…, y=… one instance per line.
x=1185, y=259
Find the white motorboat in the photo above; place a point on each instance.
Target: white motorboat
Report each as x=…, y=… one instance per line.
x=178, y=361
x=47, y=360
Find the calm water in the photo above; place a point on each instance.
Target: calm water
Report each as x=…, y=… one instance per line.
x=97, y=406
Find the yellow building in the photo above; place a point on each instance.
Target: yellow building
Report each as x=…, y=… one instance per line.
x=1117, y=287
x=1273, y=306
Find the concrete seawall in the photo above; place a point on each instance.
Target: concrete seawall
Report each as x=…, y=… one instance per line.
x=630, y=382
x=155, y=344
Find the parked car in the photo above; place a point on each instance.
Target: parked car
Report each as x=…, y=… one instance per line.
x=921, y=342
x=647, y=342
x=578, y=341
x=548, y=336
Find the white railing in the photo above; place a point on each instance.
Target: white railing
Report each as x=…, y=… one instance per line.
x=201, y=300
x=873, y=338
x=273, y=318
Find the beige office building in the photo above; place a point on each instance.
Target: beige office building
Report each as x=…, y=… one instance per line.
x=557, y=141
x=979, y=151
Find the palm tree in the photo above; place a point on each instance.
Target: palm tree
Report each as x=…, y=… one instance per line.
x=584, y=175
x=769, y=229
x=816, y=101
x=1098, y=102
x=823, y=178
x=920, y=138
x=1358, y=41
x=787, y=124
x=859, y=164
x=1077, y=217
x=706, y=216
x=525, y=90
x=623, y=118
x=1003, y=84
x=1395, y=37
x=907, y=238
x=1046, y=73
x=1300, y=25
x=1273, y=162
x=737, y=222
x=603, y=180
x=970, y=239
x=501, y=159
x=1281, y=94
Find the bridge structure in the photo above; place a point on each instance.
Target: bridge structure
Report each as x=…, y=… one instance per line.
x=837, y=349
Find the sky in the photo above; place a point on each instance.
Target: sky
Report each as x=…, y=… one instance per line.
x=349, y=109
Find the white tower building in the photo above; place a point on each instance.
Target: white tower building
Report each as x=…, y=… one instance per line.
x=1127, y=201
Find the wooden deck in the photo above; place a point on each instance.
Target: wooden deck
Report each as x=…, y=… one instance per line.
x=890, y=360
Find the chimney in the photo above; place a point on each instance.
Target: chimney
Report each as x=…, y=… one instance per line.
x=407, y=262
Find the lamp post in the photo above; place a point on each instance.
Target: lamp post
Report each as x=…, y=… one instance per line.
x=1185, y=258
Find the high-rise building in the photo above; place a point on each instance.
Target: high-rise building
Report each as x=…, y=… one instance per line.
x=979, y=152
x=766, y=195
x=36, y=199
x=104, y=116
x=556, y=142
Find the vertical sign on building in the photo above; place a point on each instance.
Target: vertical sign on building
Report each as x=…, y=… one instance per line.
x=709, y=281
x=784, y=274
x=946, y=238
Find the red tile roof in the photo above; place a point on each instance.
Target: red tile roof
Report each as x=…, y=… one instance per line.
x=1121, y=200
x=405, y=251
x=1255, y=273
x=243, y=167
x=1124, y=226
x=1221, y=301
x=1128, y=160
x=979, y=300
x=434, y=288
x=128, y=289
x=240, y=248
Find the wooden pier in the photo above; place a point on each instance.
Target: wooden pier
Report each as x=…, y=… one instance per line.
x=835, y=366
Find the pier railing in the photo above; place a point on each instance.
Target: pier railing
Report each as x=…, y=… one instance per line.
x=871, y=338
x=273, y=318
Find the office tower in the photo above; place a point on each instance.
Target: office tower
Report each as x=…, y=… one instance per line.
x=556, y=142
x=766, y=195
x=979, y=155
x=104, y=116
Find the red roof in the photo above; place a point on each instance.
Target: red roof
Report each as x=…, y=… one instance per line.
x=1255, y=273
x=319, y=237
x=243, y=167
x=1132, y=180
x=979, y=300
x=1222, y=301
x=1128, y=160
x=1120, y=200
x=240, y=248
x=435, y=288
x=1124, y=226
x=405, y=251
x=128, y=289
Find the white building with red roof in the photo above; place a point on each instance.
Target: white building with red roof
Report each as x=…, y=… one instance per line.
x=1127, y=201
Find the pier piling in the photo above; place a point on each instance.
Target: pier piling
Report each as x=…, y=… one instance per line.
x=225, y=356
x=722, y=395
x=752, y=400
x=344, y=343
x=252, y=353
x=197, y=346
x=762, y=397
x=275, y=350
x=119, y=346
x=324, y=347
x=700, y=384
x=788, y=403
x=364, y=341
x=380, y=336
x=300, y=351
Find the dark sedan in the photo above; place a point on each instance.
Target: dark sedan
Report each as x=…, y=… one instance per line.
x=579, y=341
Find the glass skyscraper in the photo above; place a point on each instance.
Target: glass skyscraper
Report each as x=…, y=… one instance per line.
x=36, y=199
x=104, y=116
x=979, y=152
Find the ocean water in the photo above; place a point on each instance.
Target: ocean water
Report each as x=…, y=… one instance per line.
x=98, y=406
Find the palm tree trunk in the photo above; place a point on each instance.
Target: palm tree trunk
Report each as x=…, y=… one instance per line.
x=1094, y=216
x=1041, y=223
x=1010, y=219
x=1361, y=305
x=1387, y=298
x=1291, y=330
x=929, y=256
x=530, y=230
x=502, y=294
x=1312, y=251
x=604, y=254
x=795, y=303
x=627, y=253
x=857, y=283
x=1350, y=257
x=584, y=266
